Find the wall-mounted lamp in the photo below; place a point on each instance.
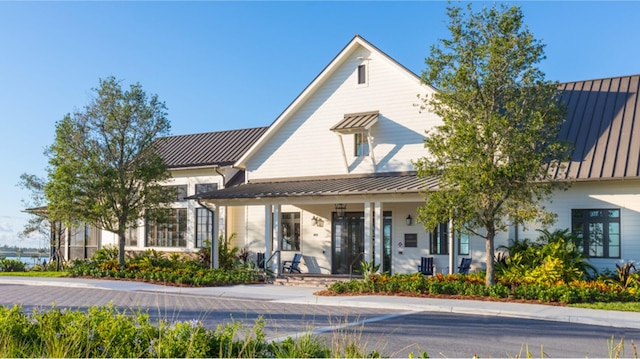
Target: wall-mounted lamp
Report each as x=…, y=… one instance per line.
x=409, y=220
x=317, y=221
x=340, y=209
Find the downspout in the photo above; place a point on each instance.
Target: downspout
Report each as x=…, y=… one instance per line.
x=214, y=242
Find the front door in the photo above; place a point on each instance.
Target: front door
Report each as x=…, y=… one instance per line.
x=347, y=245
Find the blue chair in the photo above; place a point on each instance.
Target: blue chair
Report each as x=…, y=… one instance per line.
x=293, y=265
x=464, y=266
x=426, y=266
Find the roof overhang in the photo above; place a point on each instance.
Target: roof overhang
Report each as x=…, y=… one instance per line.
x=356, y=123
x=399, y=186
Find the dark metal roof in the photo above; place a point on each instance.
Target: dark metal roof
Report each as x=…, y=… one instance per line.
x=356, y=122
x=382, y=183
x=221, y=148
x=603, y=123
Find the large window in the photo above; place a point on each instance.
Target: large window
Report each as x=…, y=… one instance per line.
x=439, y=239
x=463, y=243
x=204, y=226
x=131, y=237
x=83, y=241
x=167, y=228
x=599, y=230
x=290, y=231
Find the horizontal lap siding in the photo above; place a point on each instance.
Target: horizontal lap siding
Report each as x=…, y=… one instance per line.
x=305, y=146
x=602, y=195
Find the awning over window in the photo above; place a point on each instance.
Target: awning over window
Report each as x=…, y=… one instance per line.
x=356, y=122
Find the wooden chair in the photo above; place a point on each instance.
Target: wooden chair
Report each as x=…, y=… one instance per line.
x=465, y=265
x=293, y=265
x=426, y=266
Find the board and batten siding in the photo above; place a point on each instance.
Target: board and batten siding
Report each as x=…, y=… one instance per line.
x=304, y=146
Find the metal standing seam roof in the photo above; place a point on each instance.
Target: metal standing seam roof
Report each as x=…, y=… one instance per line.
x=383, y=183
x=221, y=148
x=603, y=123
x=356, y=122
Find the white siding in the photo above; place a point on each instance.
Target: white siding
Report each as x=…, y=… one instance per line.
x=304, y=145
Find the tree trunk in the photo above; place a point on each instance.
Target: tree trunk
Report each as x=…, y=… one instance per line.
x=121, y=240
x=489, y=278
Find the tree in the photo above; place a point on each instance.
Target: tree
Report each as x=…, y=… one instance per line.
x=498, y=145
x=41, y=222
x=103, y=164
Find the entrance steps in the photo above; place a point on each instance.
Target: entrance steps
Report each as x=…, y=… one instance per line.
x=310, y=280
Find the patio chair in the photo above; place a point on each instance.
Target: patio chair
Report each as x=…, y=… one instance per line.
x=465, y=265
x=293, y=265
x=426, y=266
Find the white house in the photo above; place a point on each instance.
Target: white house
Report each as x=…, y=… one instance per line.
x=347, y=142
x=332, y=178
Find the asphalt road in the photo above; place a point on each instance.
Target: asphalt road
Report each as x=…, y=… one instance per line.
x=392, y=332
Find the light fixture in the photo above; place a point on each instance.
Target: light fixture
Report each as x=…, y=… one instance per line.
x=340, y=208
x=409, y=220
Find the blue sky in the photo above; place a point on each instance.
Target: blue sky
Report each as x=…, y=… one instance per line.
x=228, y=65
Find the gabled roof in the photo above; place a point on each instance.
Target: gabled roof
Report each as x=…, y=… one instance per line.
x=317, y=82
x=221, y=148
x=603, y=123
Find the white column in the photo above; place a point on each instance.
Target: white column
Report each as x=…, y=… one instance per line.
x=452, y=247
x=268, y=233
x=216, y=238
x=378, y=235
x=368, y=238
x=277, y=234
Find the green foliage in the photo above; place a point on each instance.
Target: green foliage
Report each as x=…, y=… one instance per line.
x=554, y=257
x=500, y=125
x=155, y=266
x=104, y=168
x=473, y=286
x=11, y=265
x=227, y=253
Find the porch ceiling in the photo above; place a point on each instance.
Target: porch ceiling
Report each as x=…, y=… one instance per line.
x=319, y=187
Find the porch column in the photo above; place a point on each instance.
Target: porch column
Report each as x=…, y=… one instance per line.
x=452, y=247
x=378, y=235
x=268, y=234
x=368, y=238
x=277, y=233
x=215, y=261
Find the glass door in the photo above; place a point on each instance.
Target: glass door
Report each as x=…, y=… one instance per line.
x=347, y=245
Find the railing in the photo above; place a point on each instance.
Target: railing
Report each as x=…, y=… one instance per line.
x=266, y=263
x=353, y=262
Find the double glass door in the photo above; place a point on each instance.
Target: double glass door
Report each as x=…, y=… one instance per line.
x=347, y=247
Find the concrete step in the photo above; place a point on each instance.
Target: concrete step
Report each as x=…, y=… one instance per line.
x=308, y=280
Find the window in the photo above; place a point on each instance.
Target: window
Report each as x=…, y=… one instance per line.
x=206, y=187
x=463, y=243
x=181, y=192
x=599, y=231
x=439, y=239
x=360, y=145
x=167, y=228
x=204, y=226
x=290, y=231
x=411, y=240
x=83, y=240
x=362, y=74
x=131, y=237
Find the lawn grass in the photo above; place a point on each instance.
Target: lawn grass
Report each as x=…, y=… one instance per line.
x=621, y=306
x=35, y=274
